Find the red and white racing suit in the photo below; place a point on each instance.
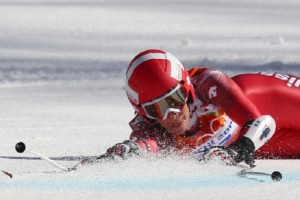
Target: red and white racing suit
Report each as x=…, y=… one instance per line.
x=223, y=106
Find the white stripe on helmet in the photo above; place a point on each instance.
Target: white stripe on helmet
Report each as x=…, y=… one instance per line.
x=142, y=59
x=132, y=95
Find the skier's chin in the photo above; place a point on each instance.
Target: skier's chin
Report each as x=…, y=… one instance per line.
x=179, y=128
x=179, y=131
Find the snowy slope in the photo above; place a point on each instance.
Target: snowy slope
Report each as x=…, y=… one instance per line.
x=61, y=91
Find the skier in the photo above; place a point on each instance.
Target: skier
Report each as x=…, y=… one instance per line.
x=205, y=114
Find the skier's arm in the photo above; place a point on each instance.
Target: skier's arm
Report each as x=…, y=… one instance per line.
x=217, y=88
x=259, y=132
x=123, y=150
x=133, y=147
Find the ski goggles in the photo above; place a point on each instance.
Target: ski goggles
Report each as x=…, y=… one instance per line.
x=172, y=101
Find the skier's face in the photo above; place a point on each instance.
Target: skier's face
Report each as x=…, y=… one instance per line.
x=176, y=122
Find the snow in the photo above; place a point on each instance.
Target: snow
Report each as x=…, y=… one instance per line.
x=62, y=65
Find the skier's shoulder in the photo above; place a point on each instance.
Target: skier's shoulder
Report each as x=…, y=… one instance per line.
x=200, y=70
x=199, y=75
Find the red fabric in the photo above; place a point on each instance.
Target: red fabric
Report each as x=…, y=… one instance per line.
x=278, y=95
x=227, y=95
x=145, y=131
x=152, y=145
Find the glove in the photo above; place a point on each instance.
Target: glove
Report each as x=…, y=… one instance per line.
x=243, y=150
x=258, y=133
x=235, y=153
x=126, y=149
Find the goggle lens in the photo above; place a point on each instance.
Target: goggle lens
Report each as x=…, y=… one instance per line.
x=174, y=101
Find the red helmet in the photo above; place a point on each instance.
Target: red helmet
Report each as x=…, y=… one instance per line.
x=153, y=73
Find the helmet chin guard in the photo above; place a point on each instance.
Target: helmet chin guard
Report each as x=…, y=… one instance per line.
x=151, y=74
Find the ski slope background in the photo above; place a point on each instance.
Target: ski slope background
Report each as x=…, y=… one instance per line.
x=62, y=66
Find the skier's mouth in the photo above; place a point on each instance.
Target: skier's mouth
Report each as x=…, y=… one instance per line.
x=178, y=123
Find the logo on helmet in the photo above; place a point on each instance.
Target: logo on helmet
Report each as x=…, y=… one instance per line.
x=132, y=95
x=176, y=67
x=179, y=72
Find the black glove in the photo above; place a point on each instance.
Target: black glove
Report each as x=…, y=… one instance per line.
x=244, y=149
x=235, y=153
x=124, y=150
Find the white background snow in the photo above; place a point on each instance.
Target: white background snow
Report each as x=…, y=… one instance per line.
x=62, y=65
